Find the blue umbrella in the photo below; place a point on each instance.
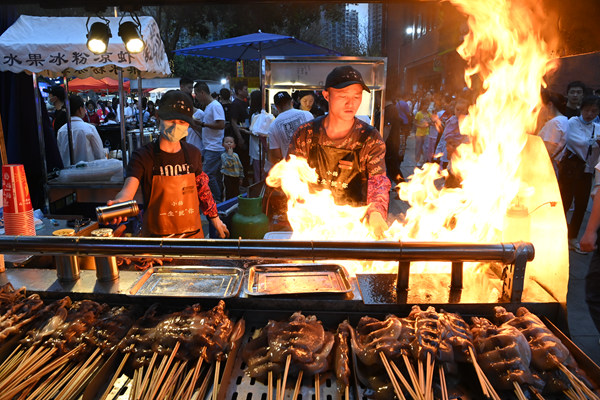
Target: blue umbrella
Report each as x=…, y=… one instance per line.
x=255, y=46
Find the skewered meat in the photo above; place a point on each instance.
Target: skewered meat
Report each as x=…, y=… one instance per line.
x=456, y=338
x=257, y=358
x=19, y=315
x=9, y=296
x=503, y=353
x=80, y=318
x=112, y=326
x=373, y=336
x=51, y=317
x=135, y=342
x=427, y=333
x=300, y=336
x=547, y=351
x=341, y=355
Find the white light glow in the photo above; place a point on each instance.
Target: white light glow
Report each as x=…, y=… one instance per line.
x=409, y=30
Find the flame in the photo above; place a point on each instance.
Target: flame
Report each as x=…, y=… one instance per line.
x=505, y=51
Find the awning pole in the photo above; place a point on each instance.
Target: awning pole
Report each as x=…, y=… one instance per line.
x=122, y=119
x=69, y=131
x=38, y=112
x=140, y=115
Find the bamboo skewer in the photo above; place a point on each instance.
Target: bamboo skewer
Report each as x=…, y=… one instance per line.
x=570, y=393
x=413, y=394
x=429, y=377
x=163, y=370
x=413, y=377
x=395, y=384
x=299, y=383
x=317, y=387
x=519, y=391
x=577, y=383
x=421, y=376
x=190, y=391
x=115, y=376
x=205, y=383
x=479, y=373
x=285, y=373
x=537, y=394
x=132, y=392
x=156, y=371
x=216, y=381
x=170, y=379
x=346, y=393
x=278, y=388
x=50, y=383
x=270, y=386
x=138, y=394
x=443, y=383
x=182, y=393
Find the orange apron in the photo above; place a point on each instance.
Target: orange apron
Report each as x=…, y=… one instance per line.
x=173, y=209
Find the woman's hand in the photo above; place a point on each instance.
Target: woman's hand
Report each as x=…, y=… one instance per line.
x=221, y=228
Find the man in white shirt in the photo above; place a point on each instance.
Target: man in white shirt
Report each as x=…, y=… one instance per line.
x=87, y=145
x=213, y=130
x=283, y=127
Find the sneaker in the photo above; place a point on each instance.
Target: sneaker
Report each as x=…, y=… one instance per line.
x=573, y=244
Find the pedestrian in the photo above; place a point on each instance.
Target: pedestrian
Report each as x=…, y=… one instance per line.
x=347, y=154
x=576, y=167
x=56, y=97
x=169, y=172
x=213, y=129
x=231, y=169
x=554, y=131
x=422, y=121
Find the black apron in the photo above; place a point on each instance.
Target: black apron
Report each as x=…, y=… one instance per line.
x=339, y=170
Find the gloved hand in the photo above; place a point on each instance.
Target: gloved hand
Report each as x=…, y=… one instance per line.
x=377, y=224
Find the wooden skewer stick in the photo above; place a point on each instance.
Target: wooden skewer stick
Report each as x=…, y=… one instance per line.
x=156, y=371
x=85, y=373
x=519, y=391
x=216, y=382
x=317, y=387
x=162, y=372
x=270, y=386
x=146, y=377
x=204, y=387
x=429, y=377
x=536, y=394
x=570, y=393
x=395, y=384
x=170, y=379
x=115, y=376
x=29, y=365
x=132, y=392
x=346, y=393
x=443, y=383
x=285, y=373
x=413, y=377
x=479, y=372
x=410, y=390
x=577, y=383
x=277, y=388
x=182, y=393
x=299, y=383
x=190, y=391
x=57, y=377
x=421, y=376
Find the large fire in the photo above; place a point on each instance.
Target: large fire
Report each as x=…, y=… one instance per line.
x=510, y=60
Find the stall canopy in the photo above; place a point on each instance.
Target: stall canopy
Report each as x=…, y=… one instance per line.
x=98, y=85
x=256, y=46
x=56, y=46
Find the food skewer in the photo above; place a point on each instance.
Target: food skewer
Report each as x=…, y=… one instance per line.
x=414, y=395
x=285, y=373
x=298, y=384
x=578, y=385
x=196, y=374
x=397, y=388
x=518, y=391
x=115, y=376
x=163, y=370
x=413, y=377
x=270, y=386
x=205, y=383
x=182, y=393
x=317, y=387
x=216, y=380
x=443, y=383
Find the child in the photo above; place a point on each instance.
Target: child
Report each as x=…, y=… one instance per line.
x=231, y=168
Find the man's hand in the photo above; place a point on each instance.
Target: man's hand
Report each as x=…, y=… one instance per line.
x=377, y=224
x=588, y=241
x=118, y=220
x=221, y=228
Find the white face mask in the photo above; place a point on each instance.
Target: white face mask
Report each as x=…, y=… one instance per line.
x=172, y=131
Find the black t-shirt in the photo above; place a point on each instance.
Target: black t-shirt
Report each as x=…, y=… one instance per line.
x=571, y=112
x=238, y=111
x=60, y=118
x=173, y=164
x=227, y=111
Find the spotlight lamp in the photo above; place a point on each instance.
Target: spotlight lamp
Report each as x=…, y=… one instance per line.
x=98, y=36
x=129, y=31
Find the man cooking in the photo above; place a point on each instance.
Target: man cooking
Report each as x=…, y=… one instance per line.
x=174, y=187
x=347, y=153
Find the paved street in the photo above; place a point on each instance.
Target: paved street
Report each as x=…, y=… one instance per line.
x=582, y=329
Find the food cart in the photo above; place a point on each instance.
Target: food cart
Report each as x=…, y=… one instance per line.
x=42, y=46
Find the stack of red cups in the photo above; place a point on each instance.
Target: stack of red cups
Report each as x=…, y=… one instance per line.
x=18, y=212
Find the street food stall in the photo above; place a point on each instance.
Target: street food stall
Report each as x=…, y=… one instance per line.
x=59, y=49
x=463, y=298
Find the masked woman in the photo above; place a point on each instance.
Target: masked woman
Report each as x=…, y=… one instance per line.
x=174, y=187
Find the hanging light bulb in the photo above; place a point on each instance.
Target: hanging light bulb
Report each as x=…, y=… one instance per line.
x=130, y=33
x=98, y=36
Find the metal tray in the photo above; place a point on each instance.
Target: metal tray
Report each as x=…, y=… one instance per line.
x=274, y=279
x=189, y=281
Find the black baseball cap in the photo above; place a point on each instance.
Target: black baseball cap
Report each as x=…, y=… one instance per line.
x=281, y=97
x=56, y=90
x=176, y=104
x=343, y=76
